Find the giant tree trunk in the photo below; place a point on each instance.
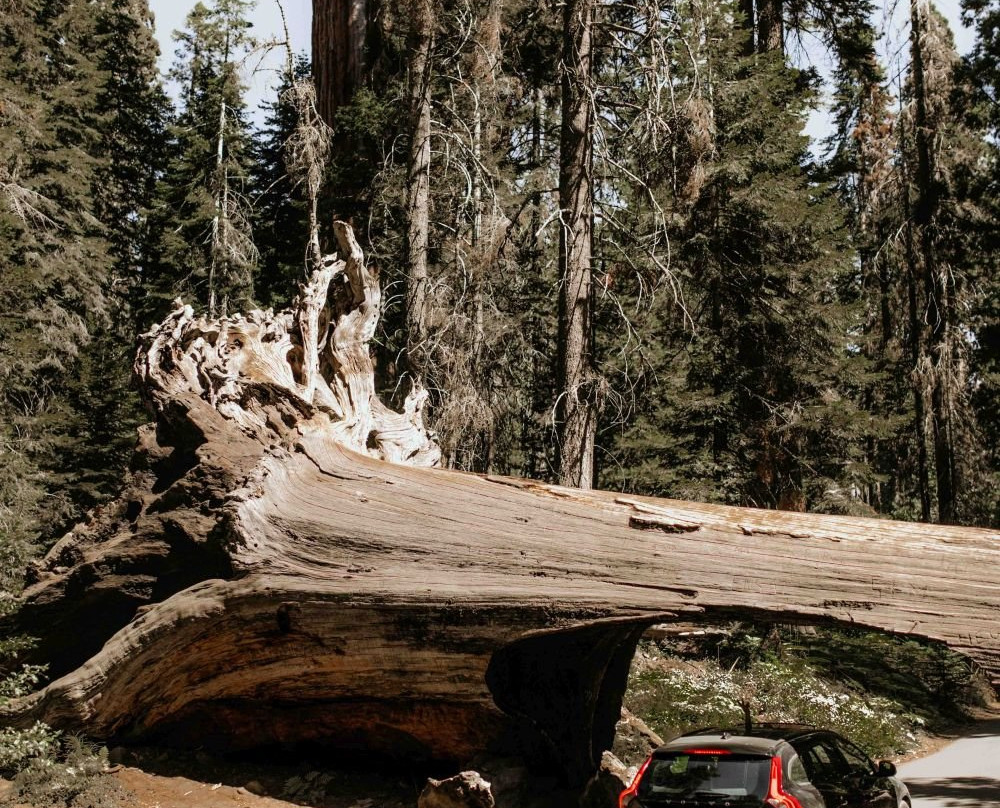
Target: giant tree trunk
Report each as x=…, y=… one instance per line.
x=338, y=50
x=576, y=407
x=938, y=279
x=285, y=566
x=420, y=45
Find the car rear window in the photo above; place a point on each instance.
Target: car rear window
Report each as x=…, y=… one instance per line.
x=706, y=775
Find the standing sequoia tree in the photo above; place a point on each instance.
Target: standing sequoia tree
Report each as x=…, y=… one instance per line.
x=339, y=29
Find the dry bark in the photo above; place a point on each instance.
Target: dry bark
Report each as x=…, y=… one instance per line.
x=576, y=409
x=339, y=28
x=269, y=578
x=420, y=45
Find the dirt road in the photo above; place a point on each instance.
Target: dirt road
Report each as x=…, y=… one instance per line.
x=964, y=774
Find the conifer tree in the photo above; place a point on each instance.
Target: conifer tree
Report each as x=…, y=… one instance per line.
x=942, y=159
x=280, y=215
x=981, y=80
x=740, y=405
x=133, y=109
x=75, y=154
x=201, y=244
x=53, y=253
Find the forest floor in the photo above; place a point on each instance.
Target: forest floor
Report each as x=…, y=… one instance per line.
x=171, y=779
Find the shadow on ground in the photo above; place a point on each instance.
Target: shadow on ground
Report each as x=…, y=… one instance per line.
x=956, y=792
x=302, y=779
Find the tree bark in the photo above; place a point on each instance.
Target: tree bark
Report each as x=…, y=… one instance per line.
x=269, y=578
x=339, y=28
x=936, y=277
x=421, y=43
x=576, y=409
x=770, y=26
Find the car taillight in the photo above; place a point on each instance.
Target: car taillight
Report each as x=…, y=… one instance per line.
x=704, y=751
x=632, y=790
x=777, y=797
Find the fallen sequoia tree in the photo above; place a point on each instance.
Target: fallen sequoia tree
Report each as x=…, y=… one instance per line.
x=285, y=566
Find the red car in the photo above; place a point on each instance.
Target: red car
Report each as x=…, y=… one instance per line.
x=771, y=766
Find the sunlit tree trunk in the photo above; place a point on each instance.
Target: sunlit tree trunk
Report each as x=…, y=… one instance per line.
x=576, y=409
x=937, y=373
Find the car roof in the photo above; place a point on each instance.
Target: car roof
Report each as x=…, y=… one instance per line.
x=761, y=739
x=733, y=743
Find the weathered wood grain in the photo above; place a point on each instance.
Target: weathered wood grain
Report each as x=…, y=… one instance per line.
x=269, y=578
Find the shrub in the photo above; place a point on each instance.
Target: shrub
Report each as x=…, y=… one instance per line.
x=930, y=679
x=78, y=780
x=18, y=747
x=673, y=698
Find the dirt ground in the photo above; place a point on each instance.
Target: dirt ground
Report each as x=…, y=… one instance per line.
x=160, y=779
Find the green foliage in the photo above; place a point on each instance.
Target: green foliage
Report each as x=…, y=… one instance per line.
x=280, y=213
x=200, y=245
x=742, y=390
x=21, y=748
x=21, y=682
x=981, y=81
x=673, y=697
x=47, y=767
x=877, y=689
x=18, y=748
x=932, y=681
x=77, y=146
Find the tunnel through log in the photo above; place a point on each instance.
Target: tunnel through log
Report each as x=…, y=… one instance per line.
x=565, y=689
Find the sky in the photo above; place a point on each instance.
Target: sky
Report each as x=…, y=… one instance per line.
x=266, y=19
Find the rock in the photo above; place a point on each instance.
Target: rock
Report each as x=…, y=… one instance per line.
x=634, y=739
x=254, y=787
x=509, y=779
x=604, y=787
x=465, y=790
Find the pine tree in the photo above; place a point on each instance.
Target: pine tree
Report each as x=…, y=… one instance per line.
x=280, y=214
x=133, y=109
x=74, y=127
x=941, y=159
x=980, y=80
x=200, y=243
x=740, y=401
x=53, y=252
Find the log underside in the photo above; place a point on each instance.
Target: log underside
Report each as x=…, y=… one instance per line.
x=269, y=579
